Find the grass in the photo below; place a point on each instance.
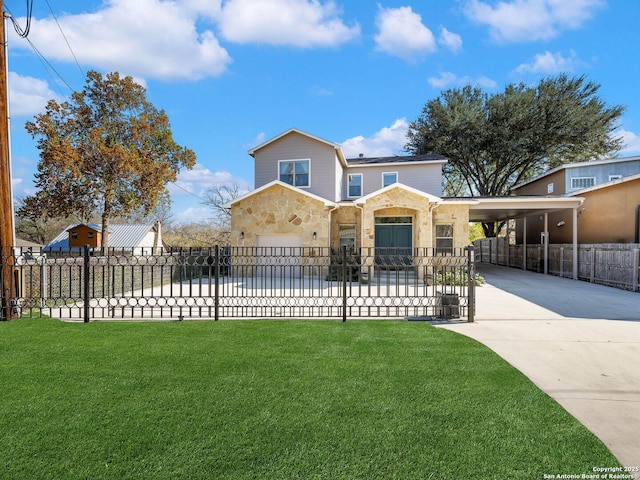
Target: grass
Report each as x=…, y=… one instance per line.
x=275, y=400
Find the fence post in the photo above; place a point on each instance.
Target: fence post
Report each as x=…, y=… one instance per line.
x=216, y=273
x=471, y=280
x=85, y=293
x=344, y=283
x=592, y=273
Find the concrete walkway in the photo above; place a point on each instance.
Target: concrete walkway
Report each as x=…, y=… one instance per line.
x=578, y=342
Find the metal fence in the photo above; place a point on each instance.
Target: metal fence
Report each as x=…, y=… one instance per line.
x=612, y=264
x=243, y=282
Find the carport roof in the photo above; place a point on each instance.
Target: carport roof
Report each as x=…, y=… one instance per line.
x=495, y=209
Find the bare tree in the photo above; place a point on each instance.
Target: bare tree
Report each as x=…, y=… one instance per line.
x=216, y=197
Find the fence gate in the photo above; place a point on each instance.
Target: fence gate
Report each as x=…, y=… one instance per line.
x=243, y=282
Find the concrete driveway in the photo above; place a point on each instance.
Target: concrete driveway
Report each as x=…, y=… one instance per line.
x=578, y=342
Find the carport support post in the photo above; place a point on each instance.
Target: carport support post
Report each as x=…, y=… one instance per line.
x=524, y=244
x=85, y=293
x=575, y=244
x=546, y=243
x=344, y=283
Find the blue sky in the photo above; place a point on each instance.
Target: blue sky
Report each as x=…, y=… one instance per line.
x=231, y=74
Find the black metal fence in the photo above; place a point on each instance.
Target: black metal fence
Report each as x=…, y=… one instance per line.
x=242, y=282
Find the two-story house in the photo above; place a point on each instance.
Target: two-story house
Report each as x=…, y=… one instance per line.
x=309, y=195
x=610, y=212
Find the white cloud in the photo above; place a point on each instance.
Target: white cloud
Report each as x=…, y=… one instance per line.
x=549, y=63
x=28, y=96
x=384, y=143
x=450, y=40
x=631, y=142
x=299, y=23
x=531, y=20
x=447, y=79
x=192, y=215
x=402, y=33
x=199, y=179
x=145, y=38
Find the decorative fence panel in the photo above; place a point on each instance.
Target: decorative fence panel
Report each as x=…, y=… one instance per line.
x=243, y=282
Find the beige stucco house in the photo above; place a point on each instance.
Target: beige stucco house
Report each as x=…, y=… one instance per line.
x=610, y=212
x=309, y=195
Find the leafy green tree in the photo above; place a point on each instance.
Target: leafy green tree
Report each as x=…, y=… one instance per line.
x=495, y=141
x=107, y=151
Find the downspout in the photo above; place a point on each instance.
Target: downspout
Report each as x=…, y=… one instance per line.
x=333, y=209
x=361, y=208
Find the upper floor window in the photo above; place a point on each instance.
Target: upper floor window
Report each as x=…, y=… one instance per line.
x=388, y=178
x=615, y=177
x=294, y=172
x=582, y=182
x=550, y=188
x=354, y=184
x=89, y=234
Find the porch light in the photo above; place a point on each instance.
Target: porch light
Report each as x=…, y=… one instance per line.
x=241, y=235
x=315, y=235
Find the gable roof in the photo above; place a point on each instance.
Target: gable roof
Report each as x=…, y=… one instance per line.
x=280, y=183
x=589, y=163
x=378, y=161
x=92, y=226
x=120, y=235
x=335, y=146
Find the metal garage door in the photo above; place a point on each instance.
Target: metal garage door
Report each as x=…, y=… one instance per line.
x=279, y=256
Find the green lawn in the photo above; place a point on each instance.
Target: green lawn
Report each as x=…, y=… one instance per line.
x=274, y=399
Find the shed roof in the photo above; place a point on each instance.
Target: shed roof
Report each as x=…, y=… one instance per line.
x=120, y=235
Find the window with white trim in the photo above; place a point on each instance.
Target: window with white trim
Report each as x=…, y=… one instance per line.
x=582, y=182
x=294, y=172
x=388, y=178
x=354, y=185
x=614, y=177
x=444, y=239
x=550, y=187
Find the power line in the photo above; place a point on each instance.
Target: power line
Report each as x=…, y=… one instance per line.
x=65, y=39
x=24, y=33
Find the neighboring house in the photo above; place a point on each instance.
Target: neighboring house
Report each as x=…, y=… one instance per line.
x=121, y=237
x=609, y=214
x=309, y=195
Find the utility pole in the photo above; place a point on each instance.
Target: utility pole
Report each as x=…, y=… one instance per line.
x=6, y=210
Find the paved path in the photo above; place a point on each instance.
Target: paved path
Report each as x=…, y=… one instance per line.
x=578, y=342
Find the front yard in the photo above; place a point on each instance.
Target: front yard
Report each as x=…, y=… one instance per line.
x=274, y=399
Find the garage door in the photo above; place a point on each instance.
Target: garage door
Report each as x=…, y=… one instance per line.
x=279, y=256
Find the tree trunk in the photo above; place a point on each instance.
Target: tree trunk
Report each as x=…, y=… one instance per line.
x=106, y=213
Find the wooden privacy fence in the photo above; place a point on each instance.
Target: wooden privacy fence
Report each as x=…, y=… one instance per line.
x=244, y=282
x=612, y=264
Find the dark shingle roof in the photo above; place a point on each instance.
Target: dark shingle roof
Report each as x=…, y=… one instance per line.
x=431, y=157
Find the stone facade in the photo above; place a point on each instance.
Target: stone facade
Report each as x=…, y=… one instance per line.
x=456, y=214
x=280, y=210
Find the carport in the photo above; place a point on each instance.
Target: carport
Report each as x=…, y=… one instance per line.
x=498, y=209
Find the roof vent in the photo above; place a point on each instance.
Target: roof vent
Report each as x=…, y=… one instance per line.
x=361, y=155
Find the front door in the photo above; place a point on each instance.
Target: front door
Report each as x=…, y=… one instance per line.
x=393, y=241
